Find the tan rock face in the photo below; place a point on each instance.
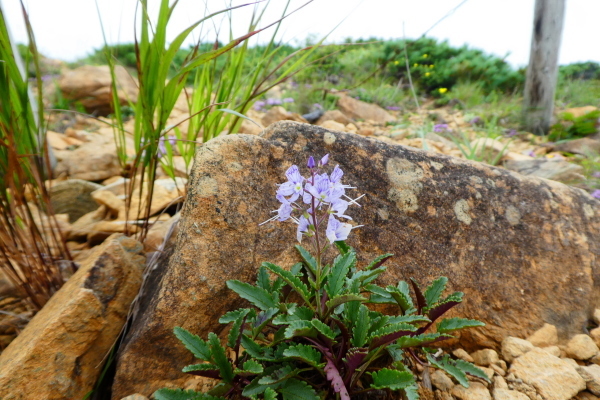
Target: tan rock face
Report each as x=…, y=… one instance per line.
x=513, y=347
x=552, y=377
x=547, y=335
x=91, y=86
x=60, y=353
x=581, y=347
x=357, y=109
x=492, y=232
x=334, y=115
x=475, y=391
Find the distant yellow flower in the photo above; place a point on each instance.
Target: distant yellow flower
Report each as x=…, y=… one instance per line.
x=425, y=55
x=415, y=65
x=442, y=90
x=431, y=66
x=396, y=62
x=427, y=73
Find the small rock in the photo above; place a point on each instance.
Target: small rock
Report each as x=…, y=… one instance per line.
x=333, y=125
x=507, y=394
x=103, y=229
x=583, y=146
x=513, y=347
x=591, y=375
x=585, y=396
x=357, y=109
x=595, y=359
x=555, y=169
x=499, y=382
x=475, y=391
x=581, y=347
x=595, y=335
x=334, y=115
x=485, y=357
x=439, y=395
x=95, y=160
x=279, y=113
x=547, y=335
x=463, y=355
x=498, y=369
x=553, y=378
x=136, y=396
x=113, y=204
x=596, y=316
x=160, y=231
x=440, y=380
x=554, y=350
x=366, y=131
x=73, y=197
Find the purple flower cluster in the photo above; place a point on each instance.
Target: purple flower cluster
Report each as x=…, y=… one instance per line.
x=318, y=199
x=441, y=128
x=596, y=194
x=261, y=105
x=162, y=148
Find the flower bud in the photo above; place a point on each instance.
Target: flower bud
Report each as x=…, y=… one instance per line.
x=311, y=162
x=324, y=160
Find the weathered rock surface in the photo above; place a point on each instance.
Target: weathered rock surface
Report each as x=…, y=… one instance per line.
x=60, y=352
x=553, y=378
x=584, y=146
x=91, y=86
x=558, y=170
x=522, y=249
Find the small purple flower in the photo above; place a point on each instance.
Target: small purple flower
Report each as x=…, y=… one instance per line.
x=285, y=210
x=530, y=153
x=311, y=162
x=162, y=148
x=338, y=208
x=302, y=228
x=596, y=194
x=288, y=100
x=273, y=102
x=337, y=230
x=440, y=128
x=324, y=160
x=475, y=121
x=596, y=174
x=308, y=86
x=318, y=106
x=293, y=187
x=319, y=190
x=510, y=132
x=293, y=84
x=393, y=108
x=259, y=105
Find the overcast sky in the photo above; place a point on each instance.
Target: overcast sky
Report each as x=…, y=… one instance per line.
x=70, y=29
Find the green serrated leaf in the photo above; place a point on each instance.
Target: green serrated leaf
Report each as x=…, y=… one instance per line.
x=200, y=367
x=379, y=295
x=294, y=389
x=412, y=392
x=392, y=379
x=304, y=352
x=178, y=394
x=262, y=279
x=323, y=328
x=404, y=302
x=345, y=298
x=270, y=394
x=435, y=290
x=471, y=369
x=233, y=315
x=447, y=365
x=367, y=276
x=220, y=358
x=310, y=261
x=193, y=343
x=361, y=327
x=300, y=328
x=417, y=340
x=409, y=319
x=291, y=280
x=342, y=247
x=250, y=367
x=339, y=272
x=395, y=352
x=255, y=350
x=392, y=328
x=234, y=332
x=378, y=261
x=255, y=295
x=279, y=375
x=453, y=324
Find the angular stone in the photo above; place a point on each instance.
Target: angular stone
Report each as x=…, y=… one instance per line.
x=585, y=396
x=596, y=316
x=513, y=347
x=93, y=161
x=279, y=113
x=463, y=355
x=506, y=394
x=333, y=125
x=584, y=146
x=492, y=232
x=59, y=354
x=547, y=335
x=595, y=335
x=581, y=347
x=475, y=391
x=441, y=381
x=357, y=109
x=552, y=377
x=554, y=350
x=591, y=375
x=334, y=115
x=557, y=170
x=73, y=197
x=485, y=357
x=499, y=382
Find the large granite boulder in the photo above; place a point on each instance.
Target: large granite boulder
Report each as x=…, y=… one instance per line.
x=523, y=249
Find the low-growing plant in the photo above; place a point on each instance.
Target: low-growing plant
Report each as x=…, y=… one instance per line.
x=572, y=127
x=311, y=332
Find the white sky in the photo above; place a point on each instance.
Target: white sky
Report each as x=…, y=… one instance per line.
x=70, y=29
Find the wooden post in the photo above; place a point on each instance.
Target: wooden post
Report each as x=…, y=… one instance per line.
x=542, y=72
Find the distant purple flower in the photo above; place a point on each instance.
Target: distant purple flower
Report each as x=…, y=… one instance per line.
x=440, y=128
x=530, y=153
x=288, y=100
x=357, y=97
x=510, y=132
x=393, y=108
x=337, y=230
x=596, y=174
x=293, y=84
x=308, y=86
x=273, y=102
x=162, y=148
x=475, y=121
x=259, y=105
x=596, y=194
x=318, y=106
